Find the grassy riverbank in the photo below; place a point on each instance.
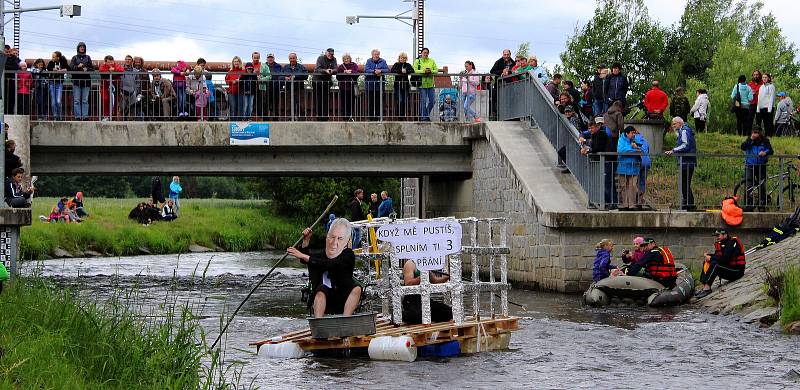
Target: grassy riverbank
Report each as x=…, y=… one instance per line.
x=230, y=225
x=52, y=340
x=790, y=296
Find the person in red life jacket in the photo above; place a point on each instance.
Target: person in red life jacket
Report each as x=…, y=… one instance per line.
x=727, y=262
x=657, y=264
x=656, y=101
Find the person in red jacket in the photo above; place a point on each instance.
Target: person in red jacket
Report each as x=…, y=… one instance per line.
x=656, y=101
x=755, y=84
x=235, y=99
x=109, y=84
x=24, y=86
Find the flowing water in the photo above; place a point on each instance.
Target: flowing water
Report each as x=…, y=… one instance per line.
x=560, y=344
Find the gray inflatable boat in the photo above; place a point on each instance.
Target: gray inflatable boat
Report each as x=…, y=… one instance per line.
x=641, y=289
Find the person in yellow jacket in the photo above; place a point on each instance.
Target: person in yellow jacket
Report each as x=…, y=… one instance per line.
x=426, y=66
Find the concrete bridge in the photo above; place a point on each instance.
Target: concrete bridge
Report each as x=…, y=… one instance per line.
x=494, y=169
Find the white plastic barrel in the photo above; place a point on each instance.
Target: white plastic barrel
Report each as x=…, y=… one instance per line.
x=401, y=348
x=287, y=350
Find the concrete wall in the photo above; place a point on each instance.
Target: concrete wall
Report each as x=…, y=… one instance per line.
x=18, y=130
x=554, y=249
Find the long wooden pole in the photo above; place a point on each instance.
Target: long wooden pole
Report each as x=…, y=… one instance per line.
x=330, y=205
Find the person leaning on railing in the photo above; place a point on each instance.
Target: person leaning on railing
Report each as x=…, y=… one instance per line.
x=628, y=169
x=56, y=68
x=324, y=71
x=757, y=149
x=161, y=95
x=402, y=88
x=347, y=79
x=426, y=66
x=685, y=150
x=374, y=69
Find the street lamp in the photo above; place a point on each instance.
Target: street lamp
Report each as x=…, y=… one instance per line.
x=65, y=10
x=416, y=17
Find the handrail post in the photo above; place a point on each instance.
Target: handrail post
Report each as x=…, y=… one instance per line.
x=380, y=98
x=781, y=185
x=602, y=180
x=291, y=98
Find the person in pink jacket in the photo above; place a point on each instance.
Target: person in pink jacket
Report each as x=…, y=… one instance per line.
x=201, y=103
x=179, y=73
x=24, y=84
x=469, y=89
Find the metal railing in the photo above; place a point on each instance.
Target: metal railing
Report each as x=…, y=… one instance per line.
x=670, y=182
x=243, y=97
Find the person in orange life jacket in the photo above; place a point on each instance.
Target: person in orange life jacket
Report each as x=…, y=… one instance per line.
x=727, y=262
x=657, y=264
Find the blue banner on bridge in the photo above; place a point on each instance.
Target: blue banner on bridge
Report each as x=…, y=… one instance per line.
x=249, y=133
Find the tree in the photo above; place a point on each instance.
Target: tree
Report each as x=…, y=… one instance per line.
x=523, y=48
x=620, y=31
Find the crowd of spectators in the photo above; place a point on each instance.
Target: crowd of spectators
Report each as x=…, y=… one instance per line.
x=249, y=90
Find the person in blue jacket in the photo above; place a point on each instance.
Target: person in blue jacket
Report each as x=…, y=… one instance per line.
x=602, y=260
x=175, y=190
x=643, y=168
x=757, y=149
x=628, y=169
x=686, y=151
x=386, y=205
x=375, y=69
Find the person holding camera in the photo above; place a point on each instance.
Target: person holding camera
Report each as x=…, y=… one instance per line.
x=426, y=66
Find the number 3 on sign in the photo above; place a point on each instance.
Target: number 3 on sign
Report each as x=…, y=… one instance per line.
x=449, y=245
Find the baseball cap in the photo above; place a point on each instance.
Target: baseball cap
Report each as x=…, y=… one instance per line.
x=270, y=55
x=720, y=231
x=569, y=109
x=249, y=65
x=649, y=240
x=781, y=94
x=330, y=50
x=601, y=66
x=599, y=119
x=638, y=241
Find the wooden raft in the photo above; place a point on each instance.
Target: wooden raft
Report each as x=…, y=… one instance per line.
x=422, y=334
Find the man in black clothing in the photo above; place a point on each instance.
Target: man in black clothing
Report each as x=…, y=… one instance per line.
x=12, y=160
x=323, y=72
x=657, y=264
x=156, y=191
x=600, y=142
x=727, y=262
x=12, y=67
x=501, y=68
x=374, y=204
x=331, y=273
x=356, y=212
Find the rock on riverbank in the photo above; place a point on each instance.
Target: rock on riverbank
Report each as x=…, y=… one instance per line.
x=747, y=297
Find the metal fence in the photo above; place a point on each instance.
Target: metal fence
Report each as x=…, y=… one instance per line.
x=669, y=182
x=243, y=96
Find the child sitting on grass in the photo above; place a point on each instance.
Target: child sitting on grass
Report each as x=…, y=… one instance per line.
x=602, y=261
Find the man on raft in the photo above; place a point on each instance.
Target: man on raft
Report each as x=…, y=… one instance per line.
x=657, y=264
x=331, y=272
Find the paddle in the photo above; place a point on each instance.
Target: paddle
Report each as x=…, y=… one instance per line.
x=335, y=198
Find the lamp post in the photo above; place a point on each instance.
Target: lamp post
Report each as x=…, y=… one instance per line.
x=10, y=234
x=417, y=23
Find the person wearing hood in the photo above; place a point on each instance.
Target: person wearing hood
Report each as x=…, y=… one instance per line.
x=81, y=82
x=12, y=67
x=783, y=114
x=175, y=191
x=700, y=110
x=248, y=88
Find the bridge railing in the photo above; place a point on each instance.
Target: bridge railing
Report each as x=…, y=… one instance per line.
x=282, y=97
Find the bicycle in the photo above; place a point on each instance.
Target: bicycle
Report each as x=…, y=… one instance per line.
x=790, y=192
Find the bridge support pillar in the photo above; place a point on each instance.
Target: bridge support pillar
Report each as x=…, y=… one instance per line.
x=413, y=196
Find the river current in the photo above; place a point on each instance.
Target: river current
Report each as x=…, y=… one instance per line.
x=560, y=344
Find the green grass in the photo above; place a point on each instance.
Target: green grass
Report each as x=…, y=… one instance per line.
x=52, y=340
x=232, y=225
x=714, y=177
x=790, y=296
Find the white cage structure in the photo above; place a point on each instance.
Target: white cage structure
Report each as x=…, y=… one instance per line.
x=484, y=244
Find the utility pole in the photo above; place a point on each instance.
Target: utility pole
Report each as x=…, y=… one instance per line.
x=416, y=21
x=10, y=234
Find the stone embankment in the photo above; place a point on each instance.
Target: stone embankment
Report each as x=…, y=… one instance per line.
x=747, y=297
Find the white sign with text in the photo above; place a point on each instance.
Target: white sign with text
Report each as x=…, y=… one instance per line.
x=426, y=243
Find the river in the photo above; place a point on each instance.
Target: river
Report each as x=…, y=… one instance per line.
x=561, y=344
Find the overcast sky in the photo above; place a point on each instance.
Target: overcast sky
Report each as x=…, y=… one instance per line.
x=218, y=30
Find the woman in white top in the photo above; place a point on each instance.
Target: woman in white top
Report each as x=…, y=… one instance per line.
x=700, y=110
x=765, y=110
